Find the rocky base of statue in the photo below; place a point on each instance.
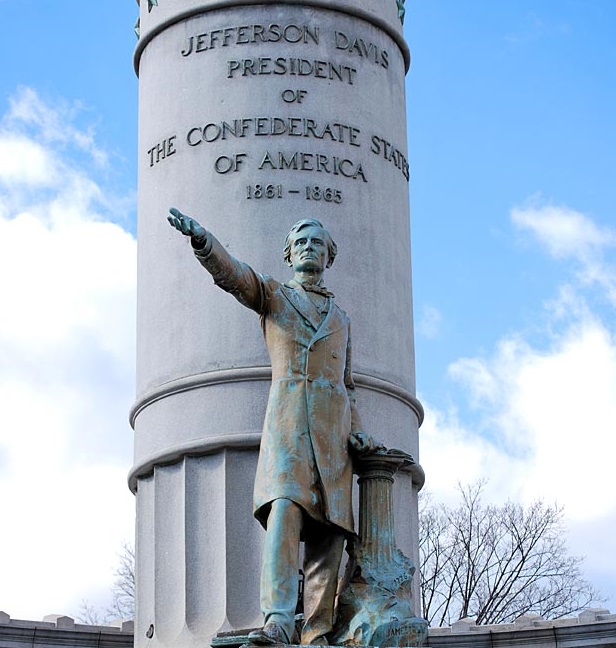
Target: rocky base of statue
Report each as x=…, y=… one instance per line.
x=374, y=608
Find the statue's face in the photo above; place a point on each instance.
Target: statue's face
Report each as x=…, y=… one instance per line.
x=309, y=250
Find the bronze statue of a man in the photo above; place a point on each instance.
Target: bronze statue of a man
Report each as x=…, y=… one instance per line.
x=303, y=484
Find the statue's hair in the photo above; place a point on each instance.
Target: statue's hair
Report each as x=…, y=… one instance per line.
x=332, y=248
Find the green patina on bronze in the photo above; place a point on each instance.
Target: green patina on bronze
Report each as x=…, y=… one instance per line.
x=312, y=442
x=137, y=27
x=375, y=600
x=303, y=486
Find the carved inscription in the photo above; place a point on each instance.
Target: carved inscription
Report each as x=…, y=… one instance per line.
x=310, y=192
x=403, y=578
x=360, y=47
x=251, y=34
x=225, y=163
x=302, y=161
x=293, y=96
x=327, y=162
x=390, y=153
x=297, y=160
x=162, y=150
x=291, y=66
x=274, y=126
x=289, y=34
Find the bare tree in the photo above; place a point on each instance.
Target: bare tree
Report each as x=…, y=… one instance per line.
x=123, y=592
x=122, y=604
x=90, y=615
x=495, y=563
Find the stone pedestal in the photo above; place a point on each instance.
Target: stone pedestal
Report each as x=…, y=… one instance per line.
x=253, y=115
x=375, y=605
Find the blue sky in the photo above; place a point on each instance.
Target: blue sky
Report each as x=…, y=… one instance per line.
x=512, y=146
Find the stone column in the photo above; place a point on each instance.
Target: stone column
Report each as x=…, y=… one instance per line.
x=375, y=606
x=376, y=511
x=253, y=115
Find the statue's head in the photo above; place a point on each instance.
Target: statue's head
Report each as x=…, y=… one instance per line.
x=309, y=226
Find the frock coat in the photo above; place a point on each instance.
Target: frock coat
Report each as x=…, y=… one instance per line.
x=311, y=410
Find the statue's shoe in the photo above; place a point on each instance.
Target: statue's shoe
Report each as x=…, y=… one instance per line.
x=270, y=633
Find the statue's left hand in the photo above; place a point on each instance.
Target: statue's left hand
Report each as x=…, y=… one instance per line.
x=362, y=443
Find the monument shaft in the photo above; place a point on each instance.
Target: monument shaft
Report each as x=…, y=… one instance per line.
x=252, y=116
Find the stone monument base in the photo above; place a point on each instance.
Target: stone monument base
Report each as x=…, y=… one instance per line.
x=387, y=635
x=239, y=639
x=249, y=645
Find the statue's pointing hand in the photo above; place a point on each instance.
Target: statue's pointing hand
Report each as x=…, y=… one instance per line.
x=188, y=226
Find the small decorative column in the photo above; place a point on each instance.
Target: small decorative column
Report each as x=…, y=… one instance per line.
x=375, y=604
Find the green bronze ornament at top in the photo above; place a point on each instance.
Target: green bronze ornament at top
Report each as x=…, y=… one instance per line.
x=151, y=4
x=137, y=27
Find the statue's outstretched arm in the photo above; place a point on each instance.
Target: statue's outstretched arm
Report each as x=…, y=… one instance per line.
x=228, y=273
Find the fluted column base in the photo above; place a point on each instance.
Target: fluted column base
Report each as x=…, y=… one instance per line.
x=198, y=554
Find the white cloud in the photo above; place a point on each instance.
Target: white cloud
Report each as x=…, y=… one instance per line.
x=62, y=278
x=552, y=410
x=564, y=232
x=453, y=452
x=23, y=161
x=542, y=419
x=429, y=322
x=571, y=235
x=54, y=124
x=66, y=364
